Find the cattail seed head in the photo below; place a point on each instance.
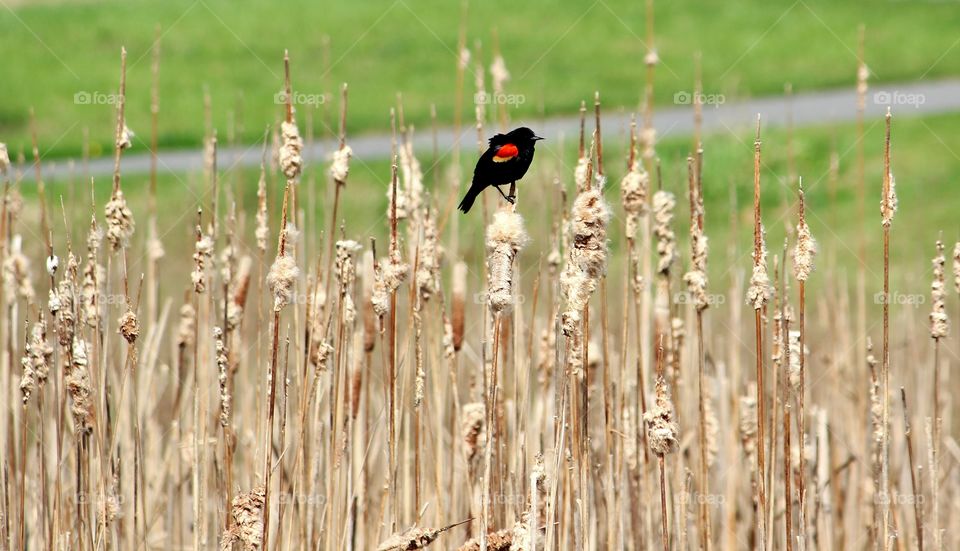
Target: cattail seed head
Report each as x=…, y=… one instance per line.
x=760, y=290
x=505, y=237
x=428, y=263
x=262, y=232
x=633, y=193
x=223, y=376
x=888, y=205
x=459, y=307
x=4, y=158
x=663, y=204
x=283, y=273
x=203, y=250
x=956, y=267
x=806, y=247
x=247, y=510
x=473, y=428
x=291, y=163
x=661, y=427
x=389, y=275
x=77, y=380
x=129, y=326
x=17, y=282
x=340, y=167
x=588, y=224
x=347, y=276
x=120, y=223
x=240, y=288
x=186, y=326
x=939, y=322
x=125, y=139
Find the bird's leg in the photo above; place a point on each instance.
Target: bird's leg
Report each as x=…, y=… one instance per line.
x=513, y=193
x=510, y=199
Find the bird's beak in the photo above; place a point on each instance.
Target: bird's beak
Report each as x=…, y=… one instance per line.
x=535, y=138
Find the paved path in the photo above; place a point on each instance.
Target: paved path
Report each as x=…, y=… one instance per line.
x=810, y=108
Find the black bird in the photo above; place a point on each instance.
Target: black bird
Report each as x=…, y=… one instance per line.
x=504, y=162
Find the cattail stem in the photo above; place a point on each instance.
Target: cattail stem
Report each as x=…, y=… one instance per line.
x=917, y=502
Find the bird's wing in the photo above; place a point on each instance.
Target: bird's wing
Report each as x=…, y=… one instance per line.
x=505, y=153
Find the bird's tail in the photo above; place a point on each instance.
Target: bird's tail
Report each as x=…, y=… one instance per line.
x=469, y=198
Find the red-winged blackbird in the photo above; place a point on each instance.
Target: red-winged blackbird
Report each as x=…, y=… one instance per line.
x=504, y=162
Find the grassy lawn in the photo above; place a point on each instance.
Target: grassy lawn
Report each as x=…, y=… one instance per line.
x=557, y=52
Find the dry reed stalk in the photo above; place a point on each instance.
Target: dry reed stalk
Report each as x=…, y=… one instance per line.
x=917, y=502
x=803, y=253
x=758, y=294
x=696, y=280
x=939, y=329
x=281, y=280
x=339, y=171
x=888, y=207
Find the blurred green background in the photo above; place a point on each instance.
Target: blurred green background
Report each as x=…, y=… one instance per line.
x=557, y=52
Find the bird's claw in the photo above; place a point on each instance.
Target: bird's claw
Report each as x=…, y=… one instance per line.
x=512, y=199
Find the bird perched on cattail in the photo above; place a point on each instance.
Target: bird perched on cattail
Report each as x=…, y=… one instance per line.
x=504, y=162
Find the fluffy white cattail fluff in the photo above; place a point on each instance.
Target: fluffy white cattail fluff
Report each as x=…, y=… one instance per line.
x=17, y=282
x=428, y=262
x=473, y=428
x=588, y=224
x=580, y=173
x=186, y=326
x=663, y=205
x=633, y=193
x=760, y=290
x=939, y=322
x=576, y=288
x=661, y=427
x=956, y=267
x=203, y=250
x=696, y=278
x=340, y=167
x=793, y=366
x=806, y=247
x=389, y=273
x=125, y=139
x=223, y=376
x=346, y=267
x=888, y=205
x=505, y=237
x=4, y=158
x=263, y=228
x=129, y=326
x=247, y=510
x=37, y=355
x=79, y=387
x=120, y=223
x=411, y=178
x=282, y=277
x=291, y=163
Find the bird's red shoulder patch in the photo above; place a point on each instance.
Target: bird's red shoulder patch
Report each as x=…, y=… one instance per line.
x=505, y=153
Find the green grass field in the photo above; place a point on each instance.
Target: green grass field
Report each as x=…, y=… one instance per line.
x=53, y=51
